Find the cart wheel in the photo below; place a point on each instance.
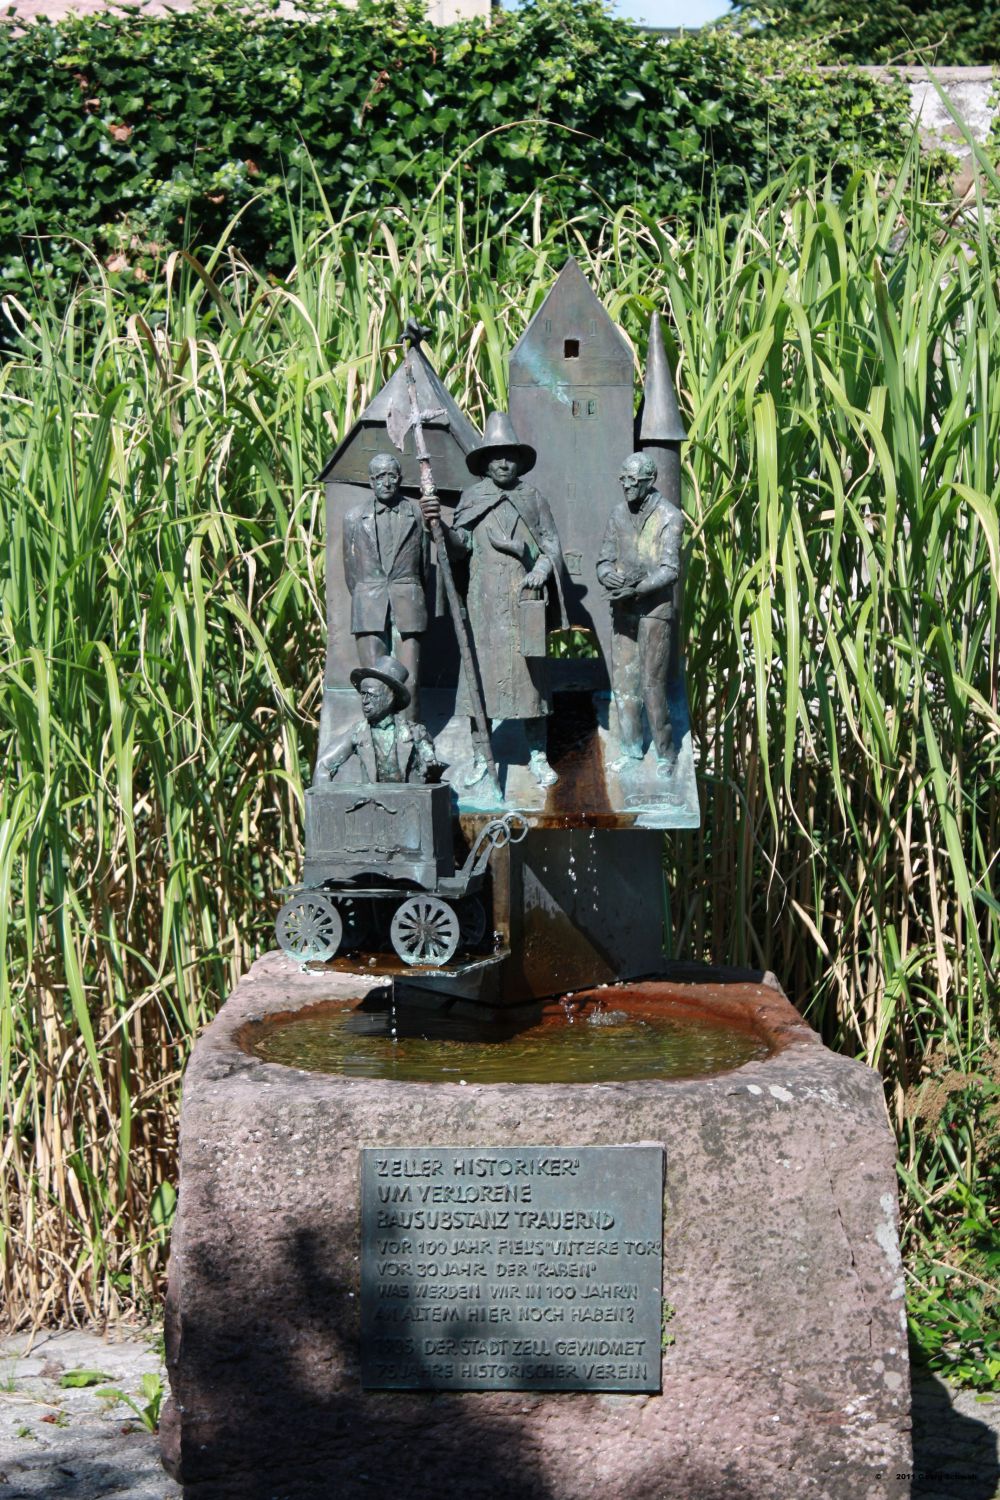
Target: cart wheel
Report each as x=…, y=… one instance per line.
x=308, y=927
x=471, y=921
x=357, y=920
x=424, y=930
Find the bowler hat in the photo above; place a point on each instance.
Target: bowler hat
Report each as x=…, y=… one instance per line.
x=498, y=438
x=390, y=671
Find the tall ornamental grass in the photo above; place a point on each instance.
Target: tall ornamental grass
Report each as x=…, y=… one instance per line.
x=838, y=358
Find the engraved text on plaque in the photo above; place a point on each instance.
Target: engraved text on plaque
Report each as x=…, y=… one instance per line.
x=511, y=1268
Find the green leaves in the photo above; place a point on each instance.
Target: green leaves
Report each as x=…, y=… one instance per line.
x=955, y=32
x=78, y=1379
x=146, y=1406
x=136, y=140
x=953, y=1276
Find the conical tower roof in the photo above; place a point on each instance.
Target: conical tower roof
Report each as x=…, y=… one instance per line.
x=432, y=397
x=659, y=419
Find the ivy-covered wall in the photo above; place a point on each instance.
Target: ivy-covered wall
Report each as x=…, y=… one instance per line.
x=948, y=33
x=130, y=136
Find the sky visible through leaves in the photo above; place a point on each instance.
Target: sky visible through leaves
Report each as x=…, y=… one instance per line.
x=686, y=13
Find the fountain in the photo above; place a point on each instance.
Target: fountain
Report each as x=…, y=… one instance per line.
x=478, y=1190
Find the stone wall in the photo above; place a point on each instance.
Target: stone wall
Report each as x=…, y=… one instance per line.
x=971, y=94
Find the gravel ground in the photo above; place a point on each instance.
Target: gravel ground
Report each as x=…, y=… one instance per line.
x=72, y=1444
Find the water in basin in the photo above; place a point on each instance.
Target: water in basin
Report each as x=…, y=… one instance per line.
x=608, y=1035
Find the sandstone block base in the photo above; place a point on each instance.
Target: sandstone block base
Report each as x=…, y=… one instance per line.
x=785, y=1368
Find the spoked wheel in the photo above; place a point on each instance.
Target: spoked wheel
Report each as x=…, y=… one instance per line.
x=356, y=917
x=309, y=928
x=471, y=921
x=425, y=930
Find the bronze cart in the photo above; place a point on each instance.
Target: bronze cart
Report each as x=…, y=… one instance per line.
x=382, y=857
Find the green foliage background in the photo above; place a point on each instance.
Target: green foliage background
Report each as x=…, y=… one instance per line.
x=135, y=138
x=962, y=33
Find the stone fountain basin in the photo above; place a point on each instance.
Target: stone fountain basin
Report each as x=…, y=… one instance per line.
x=609, y=1034
x=784, y=1367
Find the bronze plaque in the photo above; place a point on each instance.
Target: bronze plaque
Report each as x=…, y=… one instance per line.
x=519, y=1268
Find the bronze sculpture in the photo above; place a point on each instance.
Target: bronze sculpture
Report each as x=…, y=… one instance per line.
x=398, y=425
x=380, y=811
x=387, y=569
x=380, y=861
x=505, y=530
x=389, y=747
x=639, y=567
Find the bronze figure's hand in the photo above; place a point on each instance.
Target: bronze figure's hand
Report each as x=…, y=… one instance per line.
x=626, y=590
x=430, y=508
x=533, y=586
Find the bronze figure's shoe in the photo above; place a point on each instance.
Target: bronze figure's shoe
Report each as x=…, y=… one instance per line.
x=477, y=770
x=540, y=769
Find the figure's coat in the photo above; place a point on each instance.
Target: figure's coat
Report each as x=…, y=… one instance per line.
x=513, y=687
x=387, y=590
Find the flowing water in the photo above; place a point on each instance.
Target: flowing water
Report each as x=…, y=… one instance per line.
x=599, y=1036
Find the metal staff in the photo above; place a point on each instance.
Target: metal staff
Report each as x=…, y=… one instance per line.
x=413, y=334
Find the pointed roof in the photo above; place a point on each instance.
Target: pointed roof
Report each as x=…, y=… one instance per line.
x=572, y=314
x=432, y=398
x=659, y=420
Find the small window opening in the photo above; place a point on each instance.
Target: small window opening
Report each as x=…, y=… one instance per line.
x=571, y=349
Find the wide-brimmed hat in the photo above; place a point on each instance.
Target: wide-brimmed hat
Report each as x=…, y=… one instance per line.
x=390, y=671
x=498, y=438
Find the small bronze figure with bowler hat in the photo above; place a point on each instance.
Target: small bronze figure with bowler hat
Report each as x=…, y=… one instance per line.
x=390, y=747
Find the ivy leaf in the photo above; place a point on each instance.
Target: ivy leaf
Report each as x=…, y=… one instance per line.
x=74, y=1379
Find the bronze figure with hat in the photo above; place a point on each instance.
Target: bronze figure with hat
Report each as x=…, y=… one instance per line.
x=388, y=746
x=504, y=528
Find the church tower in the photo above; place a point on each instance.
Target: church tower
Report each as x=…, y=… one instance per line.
x=572, y=397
